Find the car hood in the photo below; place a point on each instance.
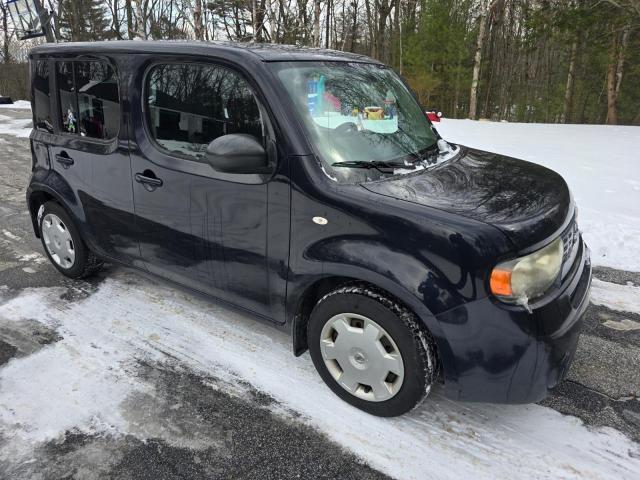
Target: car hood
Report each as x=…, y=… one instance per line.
x=527, y=202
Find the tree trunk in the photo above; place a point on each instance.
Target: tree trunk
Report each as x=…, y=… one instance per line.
x=197, y=20
x=614, y=73
x=141, y=23
x=254, y=19
x=328, y=26
x=316, y=23
x=116, y=20
x=129, y=10
x=619, y=68
x=568, y=93
x=6, y=57
x=477, y=60
x=354, y=26
x=612, y=114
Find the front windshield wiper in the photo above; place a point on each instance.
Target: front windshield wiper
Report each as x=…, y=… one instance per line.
x=373, y=164
x=429, y=154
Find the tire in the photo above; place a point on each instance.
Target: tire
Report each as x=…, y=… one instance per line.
x=409, y=357
x=63, y=244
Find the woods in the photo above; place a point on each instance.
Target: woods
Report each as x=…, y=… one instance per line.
x=567, y=61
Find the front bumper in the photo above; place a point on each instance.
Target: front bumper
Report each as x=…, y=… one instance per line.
x=503, y=353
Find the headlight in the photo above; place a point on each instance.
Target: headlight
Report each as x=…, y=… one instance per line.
x=527, y=277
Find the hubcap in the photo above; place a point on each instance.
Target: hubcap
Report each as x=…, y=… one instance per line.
x=362, y=357
x=58, y=241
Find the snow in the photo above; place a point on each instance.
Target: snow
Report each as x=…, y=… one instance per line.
x=17, y=127
x=600, y=163
x=83, y=381
x=17, y=105
x=623, y=298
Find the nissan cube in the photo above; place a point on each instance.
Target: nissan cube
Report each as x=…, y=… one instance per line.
x=308, y=189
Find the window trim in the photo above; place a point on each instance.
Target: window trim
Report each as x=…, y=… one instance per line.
x=187, y=164
x=58, y=123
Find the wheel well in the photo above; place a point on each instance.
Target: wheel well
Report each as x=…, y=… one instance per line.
x=309, y=299
x=36, y=199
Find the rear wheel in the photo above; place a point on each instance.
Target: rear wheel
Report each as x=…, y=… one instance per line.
x=371, y=351
x=63, y=244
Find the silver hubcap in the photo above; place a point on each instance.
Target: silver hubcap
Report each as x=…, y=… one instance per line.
x=57, y=239
x=362, y=357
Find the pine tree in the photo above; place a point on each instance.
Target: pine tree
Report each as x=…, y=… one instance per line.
x=83, y=20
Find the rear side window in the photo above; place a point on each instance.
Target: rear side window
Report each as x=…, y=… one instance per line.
x=190, y=105
x=41, y=96
x=89, y=103
x=67, y=95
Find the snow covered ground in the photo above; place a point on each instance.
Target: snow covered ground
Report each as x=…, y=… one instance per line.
x=16, y=127
x=17, y=105
x=600, y=163
x=82, y=382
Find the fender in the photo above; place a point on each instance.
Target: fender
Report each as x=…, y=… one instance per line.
x=55, y=186
x=302, y=287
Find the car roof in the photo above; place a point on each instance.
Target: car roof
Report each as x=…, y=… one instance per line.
x=267, y=52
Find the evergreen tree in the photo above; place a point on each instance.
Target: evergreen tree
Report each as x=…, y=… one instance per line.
x=84, y=20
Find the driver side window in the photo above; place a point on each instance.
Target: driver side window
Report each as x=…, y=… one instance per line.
x=189, y=105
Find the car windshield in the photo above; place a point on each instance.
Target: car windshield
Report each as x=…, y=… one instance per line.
x=357, y=113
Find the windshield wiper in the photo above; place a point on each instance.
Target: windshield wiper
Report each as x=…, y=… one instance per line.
x=429, y=154
x=373, y=164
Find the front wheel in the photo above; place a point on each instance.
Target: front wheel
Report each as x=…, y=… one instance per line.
x=371, y=351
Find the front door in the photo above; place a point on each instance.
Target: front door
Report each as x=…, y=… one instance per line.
x=199, y=227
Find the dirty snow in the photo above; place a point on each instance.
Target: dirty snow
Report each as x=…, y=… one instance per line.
x=600, y=164
x=16, y=127
x=83, y=380
x=623, y=298
x=17, y=105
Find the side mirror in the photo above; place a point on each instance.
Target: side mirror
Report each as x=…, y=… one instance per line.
x=237, y=153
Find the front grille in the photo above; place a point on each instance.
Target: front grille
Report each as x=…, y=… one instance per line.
x=569, y=239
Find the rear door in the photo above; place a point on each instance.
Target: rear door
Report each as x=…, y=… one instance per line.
x=206, y=229
x=90, y=152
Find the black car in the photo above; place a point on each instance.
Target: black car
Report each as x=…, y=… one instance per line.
x=307, y=188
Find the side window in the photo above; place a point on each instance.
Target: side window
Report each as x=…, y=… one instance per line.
x=41, y=97
x=89, y=103
x=98, y=103
x=190, y=105
x=67, y=95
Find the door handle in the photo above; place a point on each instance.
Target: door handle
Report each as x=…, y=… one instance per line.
x=64, y=160
x=150, y=183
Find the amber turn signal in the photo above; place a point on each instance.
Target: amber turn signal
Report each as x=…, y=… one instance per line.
x=501, y=282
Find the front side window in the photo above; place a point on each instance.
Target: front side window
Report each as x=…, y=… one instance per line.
x=356, y=113
x=190, y=105
x=89, y=102
x=41, y=97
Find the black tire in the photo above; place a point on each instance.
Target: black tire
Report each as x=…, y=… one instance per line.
x=85, y=263
x=413, y=341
